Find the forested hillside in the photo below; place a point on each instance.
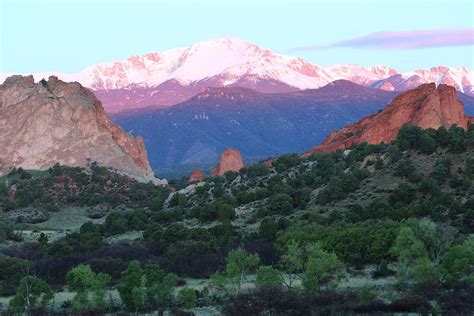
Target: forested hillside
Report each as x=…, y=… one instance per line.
x=375, y=228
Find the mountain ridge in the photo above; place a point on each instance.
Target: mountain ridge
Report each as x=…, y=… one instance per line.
x=258, y=124
x=166, y=78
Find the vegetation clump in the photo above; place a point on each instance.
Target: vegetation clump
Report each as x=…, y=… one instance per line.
x=384, y=228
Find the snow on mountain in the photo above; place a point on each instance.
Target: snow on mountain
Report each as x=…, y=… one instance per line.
x=230, y=61
x=359, y=74
x=462, y=78
x=228, y=58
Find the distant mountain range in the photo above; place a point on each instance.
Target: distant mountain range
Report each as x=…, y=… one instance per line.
x=189, y=104
x=161, y=79
x=258, y=124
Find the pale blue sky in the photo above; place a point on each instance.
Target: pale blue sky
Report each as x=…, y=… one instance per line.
x=68, y=35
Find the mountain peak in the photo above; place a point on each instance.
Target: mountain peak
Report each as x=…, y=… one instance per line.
x=230, y=61
x=341, y=83
x=227, y=40
x=344, y=88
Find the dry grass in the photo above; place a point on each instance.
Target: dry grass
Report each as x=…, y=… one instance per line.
x=59, y=224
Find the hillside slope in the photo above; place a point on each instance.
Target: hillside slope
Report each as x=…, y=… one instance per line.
x=258, y=124
x=392, y=223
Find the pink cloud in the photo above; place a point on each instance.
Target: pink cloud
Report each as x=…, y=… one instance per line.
x=405, y=40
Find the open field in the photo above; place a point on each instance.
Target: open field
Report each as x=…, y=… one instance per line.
x=58, y=225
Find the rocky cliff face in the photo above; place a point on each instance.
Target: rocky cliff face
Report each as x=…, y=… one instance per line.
x=196, y=176
x=56, y=122
x=426, y=106
x=230, y=161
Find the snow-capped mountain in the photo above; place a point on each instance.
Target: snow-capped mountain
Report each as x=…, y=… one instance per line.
x=169, y=77
x=227, y=58
x=462, y=78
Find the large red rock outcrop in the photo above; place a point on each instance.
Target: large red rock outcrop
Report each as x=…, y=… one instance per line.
x=51, y=122
x=230, y=161
x=196, y=176
x=426, y=106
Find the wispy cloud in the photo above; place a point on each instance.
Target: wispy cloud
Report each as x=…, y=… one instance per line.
x=405, y=40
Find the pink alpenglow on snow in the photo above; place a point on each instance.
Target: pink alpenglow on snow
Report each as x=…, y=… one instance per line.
x=162, y=79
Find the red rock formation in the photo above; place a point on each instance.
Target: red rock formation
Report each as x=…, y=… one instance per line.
x=230, y=161
x=56, y=122
x=196, y=176
x=269, y=162
x=426, y=106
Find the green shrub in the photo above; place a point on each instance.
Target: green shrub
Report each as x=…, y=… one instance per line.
x=267, y=276
x=281, y=204
x=409, y=137
x=231, y=176
x=404, y=194
x=12, y=271
x=456, y=139
x=404, y=168
x=268, y=228
x=115, y=223
x=285, y=162
x=187, y=296
x=427, y=143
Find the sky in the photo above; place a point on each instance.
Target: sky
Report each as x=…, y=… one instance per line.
x=69, y=35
